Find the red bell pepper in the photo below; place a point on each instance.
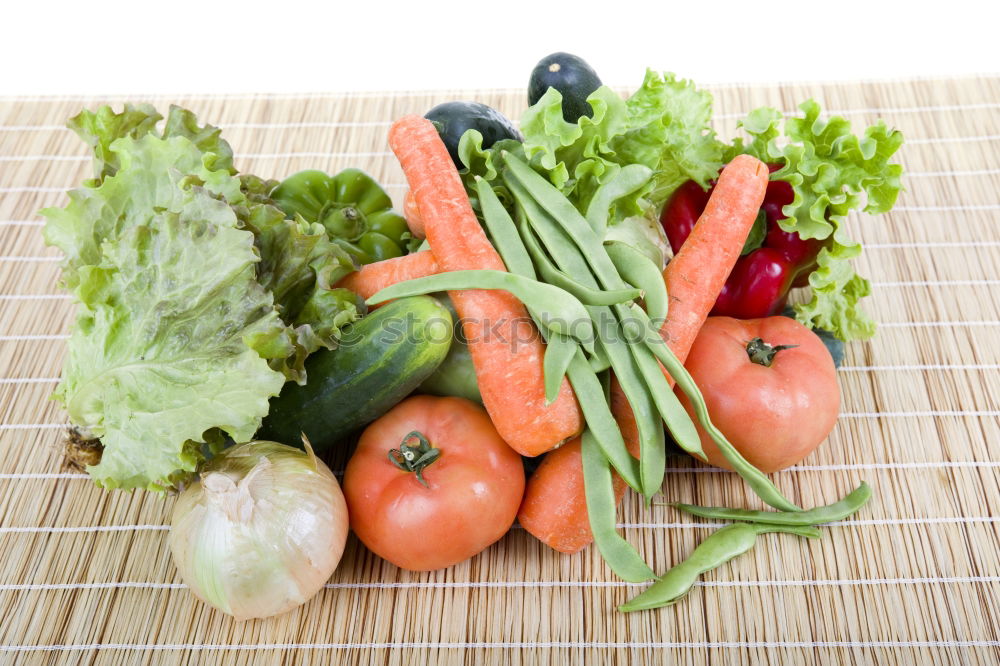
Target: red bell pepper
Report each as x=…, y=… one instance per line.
x=760, y=281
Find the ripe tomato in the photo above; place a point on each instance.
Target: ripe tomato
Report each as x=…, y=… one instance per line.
x=473, y=486
x=774, y=413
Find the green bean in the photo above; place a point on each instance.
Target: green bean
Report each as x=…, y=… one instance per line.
x=600, y=421
x=599, y=361
x=558, y=310
x=602, y=512
x=756, y=479
x=551, y=274
x=639, y=271
x=719, y=548
x=851, y=504
x=629, y=179
x=503, y=233
x=559, y=352
x=569, y=258
x=674, y=416
x=567, y=217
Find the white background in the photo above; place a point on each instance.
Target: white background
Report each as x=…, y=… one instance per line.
x=91, y=47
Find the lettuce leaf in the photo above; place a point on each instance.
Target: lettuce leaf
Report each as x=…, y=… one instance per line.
x=149, y=175
x=167, y=343
x=197, y=299
x=664, y=126
x=832, y=172
x=670, y=131
x=99, y=129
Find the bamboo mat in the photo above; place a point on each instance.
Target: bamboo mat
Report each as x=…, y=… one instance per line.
x=86, y=576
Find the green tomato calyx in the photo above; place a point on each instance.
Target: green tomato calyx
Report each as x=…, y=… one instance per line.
x=762, y=353
x=414, y=454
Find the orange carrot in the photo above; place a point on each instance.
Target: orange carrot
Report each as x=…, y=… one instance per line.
x=554, y=508
x=371, y=278
x=506, y=348
x=412, y=215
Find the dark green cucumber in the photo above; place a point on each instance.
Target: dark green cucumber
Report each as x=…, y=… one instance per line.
x=381, y=359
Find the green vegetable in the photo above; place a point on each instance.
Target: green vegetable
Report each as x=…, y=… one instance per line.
x=522, y=254
x=830, y=170
x=196, y=299
x=722, y=546
x=559, y=311
x=602, y=509
x=637, y=270
x=381, y=359
x=664, y=127
x=456, y=376
x=851, y=504
x=354, y=209
x=571, y=75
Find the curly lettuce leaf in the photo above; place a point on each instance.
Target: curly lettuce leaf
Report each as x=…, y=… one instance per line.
x=150, y=175
x=197, y=299
x=166, y=343
x=832, y=171
x=670, y=131
x=300, y=266
x=663, y=126
x=99, y=129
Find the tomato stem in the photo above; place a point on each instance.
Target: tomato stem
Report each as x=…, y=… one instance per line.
x=762, y=353
x=414, y=454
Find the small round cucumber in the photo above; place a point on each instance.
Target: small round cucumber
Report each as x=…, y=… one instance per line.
x=381, y=359
x=571, y=76
x=453, y=119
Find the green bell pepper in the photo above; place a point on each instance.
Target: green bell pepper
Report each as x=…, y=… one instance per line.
x=355, y=210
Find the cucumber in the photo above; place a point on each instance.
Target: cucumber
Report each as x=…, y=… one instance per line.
x=571, y=76
x=455, y=376
x=381, y=359
x=453, y=119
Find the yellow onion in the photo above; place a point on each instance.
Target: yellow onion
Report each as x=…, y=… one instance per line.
x=261, y=531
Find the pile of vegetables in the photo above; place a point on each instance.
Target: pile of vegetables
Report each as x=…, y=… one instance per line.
x=549, y=286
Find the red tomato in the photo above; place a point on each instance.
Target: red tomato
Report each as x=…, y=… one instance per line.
x=473, y=490
x=776, y=414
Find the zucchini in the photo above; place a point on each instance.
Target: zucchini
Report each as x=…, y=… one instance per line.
x=380, y=360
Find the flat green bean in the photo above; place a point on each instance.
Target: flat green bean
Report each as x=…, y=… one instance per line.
x=756, y=479
x=566, y=216
x=719, y=548
x=599, y=361
x=639, y=271
x=558, y=310
x=600, y=421
x=559, y=352
x=674, y=416
x=628, y=180
x=551, y=274
x=503, y=233
x=569, y=258
x=851, y=504
x=602, y=512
